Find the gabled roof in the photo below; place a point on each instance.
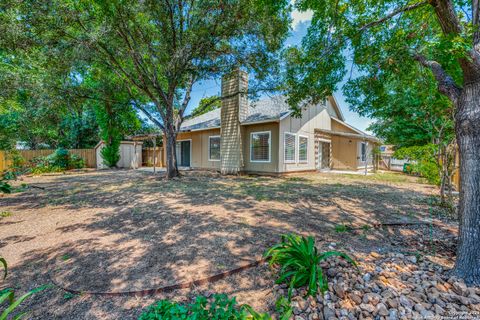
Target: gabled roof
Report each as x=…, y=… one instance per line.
x=273, y=108
x=264, y=110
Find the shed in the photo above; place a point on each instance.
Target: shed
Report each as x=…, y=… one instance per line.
x=130, y=155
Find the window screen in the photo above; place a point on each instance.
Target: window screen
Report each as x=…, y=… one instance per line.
x=260, y=146
x=289, y=143
x=302, y=149
x=214, y=148
x=364, y=151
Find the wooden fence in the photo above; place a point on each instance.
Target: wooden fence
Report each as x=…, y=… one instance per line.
x=147, y=157
x=86, y=154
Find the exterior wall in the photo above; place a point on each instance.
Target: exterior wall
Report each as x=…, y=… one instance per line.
x=344, y=153
x=337, y=126
x=199, y=146
x=270, y=167
x=317, y=117
x=129, y=157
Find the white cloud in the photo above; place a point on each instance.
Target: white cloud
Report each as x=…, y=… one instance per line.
x=300, y=16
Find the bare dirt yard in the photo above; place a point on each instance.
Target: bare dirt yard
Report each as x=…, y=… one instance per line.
x=113, y=231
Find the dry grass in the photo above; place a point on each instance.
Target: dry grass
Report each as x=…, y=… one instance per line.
x=127, y=230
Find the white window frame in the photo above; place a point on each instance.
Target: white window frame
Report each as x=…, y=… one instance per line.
x=298, y=147
x=284, y=147
x=210, y=137
x=269, y=146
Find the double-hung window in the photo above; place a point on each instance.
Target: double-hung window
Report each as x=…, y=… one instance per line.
x=289, y=147
x=214, y=148
x=260, y=146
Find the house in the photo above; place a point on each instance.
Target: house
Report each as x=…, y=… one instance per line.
x=264, y=137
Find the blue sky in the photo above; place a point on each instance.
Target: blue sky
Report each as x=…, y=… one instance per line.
x=300, y=23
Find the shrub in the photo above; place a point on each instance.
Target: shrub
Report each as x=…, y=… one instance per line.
x=111, y=153
x=58, y=161
x=299, y=260
x=9, y=295
x=219, y=307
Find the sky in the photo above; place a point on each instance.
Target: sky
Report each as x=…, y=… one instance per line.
x=300, y=23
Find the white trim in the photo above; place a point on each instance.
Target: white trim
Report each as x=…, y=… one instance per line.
x=294, y=146
x=285, y=115
x=209, y=137
x=190, y=151
x=259, y=122
x=308, y=142
x=324, y=140
x=349, y=126
x=269, y=146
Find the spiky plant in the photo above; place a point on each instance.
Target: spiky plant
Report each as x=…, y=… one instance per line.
x=299, y=263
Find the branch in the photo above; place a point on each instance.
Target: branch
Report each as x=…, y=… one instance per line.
x=446, y=84
x=393, y=14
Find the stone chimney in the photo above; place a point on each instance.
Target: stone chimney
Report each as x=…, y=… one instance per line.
x=234, y=110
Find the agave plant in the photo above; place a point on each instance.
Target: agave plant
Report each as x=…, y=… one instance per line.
x=299, y=263
x=9, y=295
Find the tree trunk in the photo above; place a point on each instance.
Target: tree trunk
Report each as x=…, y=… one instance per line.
x=171, y=137
x=467, y=127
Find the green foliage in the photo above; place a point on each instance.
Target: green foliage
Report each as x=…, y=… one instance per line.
x=59, y=161
x=424, y=161
x=284, y=308
x=219, y=307
x=111, y=153
x=8, y=295
x=206, y=105
x=299, y=260
x=342, y=228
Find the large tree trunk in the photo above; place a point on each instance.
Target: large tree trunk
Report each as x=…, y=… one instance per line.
x=171, y=137
x=467, y=129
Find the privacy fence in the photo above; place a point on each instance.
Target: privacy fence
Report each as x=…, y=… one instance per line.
x=148, y=157
x=86, y=154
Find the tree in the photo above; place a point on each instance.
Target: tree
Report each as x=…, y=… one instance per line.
x=390, y=38
x=162, y=48
x=207, y=104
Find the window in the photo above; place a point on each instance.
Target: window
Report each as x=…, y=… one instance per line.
x=260, y=146
x=214, y=148
x=289, y=147
x=364, y=152
x=302, y=149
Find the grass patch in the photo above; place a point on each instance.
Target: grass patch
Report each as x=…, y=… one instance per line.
x=5, y=214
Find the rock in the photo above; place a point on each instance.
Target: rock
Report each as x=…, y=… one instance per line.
x=299, y=318
x=367, y=277
x=438, y=310
x=392, y=303
x=460, y=288
x=339, y=290
x=382, y=309
x=412, y=259
x=393, y=314
x=404, y=301
x=328, y=313
x=371, y=298
x=355, y=296
x=367, y=307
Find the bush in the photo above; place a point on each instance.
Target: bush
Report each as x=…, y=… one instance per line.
x=58, y=161
x=299, y=261
x=423, y=159
x=219, y=307
x=111, y=153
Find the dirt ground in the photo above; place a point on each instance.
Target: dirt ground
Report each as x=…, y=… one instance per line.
x=112, y=231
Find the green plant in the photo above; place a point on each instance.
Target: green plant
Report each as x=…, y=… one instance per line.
x=299, y=260
x=219, y=307
x=5, y=214
x=283, y=307
x=76, y=162
x=9, y=295
x=111, y=153
x=342, y=228
x=5, y=187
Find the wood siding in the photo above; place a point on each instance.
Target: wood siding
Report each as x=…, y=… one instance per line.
x=315, y=117
x=200, y=141
x=269, y=167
